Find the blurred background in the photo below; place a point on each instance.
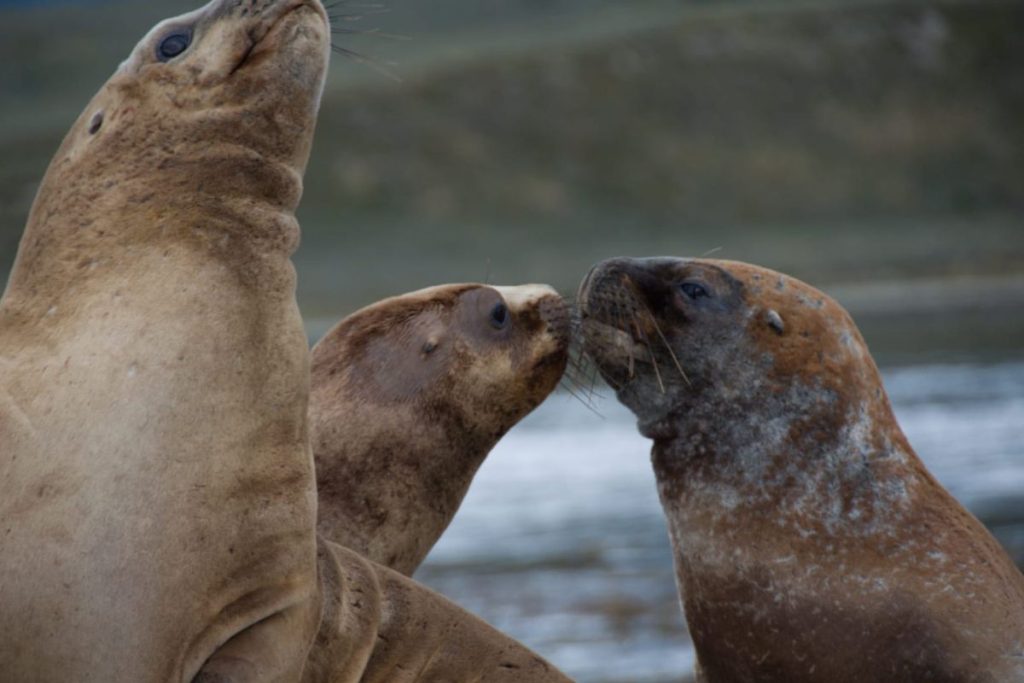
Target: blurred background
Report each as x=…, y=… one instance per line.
x=872, y=147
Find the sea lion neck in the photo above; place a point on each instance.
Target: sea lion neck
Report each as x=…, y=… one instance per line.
x=426, y=463
x=779, y=455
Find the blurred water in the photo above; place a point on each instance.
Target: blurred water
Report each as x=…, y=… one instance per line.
x=561, y=541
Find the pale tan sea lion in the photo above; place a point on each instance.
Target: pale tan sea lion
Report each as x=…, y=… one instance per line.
x=811, y=543
x=157, y=491
x=409, y=396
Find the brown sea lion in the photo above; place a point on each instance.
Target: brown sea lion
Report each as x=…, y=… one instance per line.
x=409, y=396
x=157, y=491
x=811, y=543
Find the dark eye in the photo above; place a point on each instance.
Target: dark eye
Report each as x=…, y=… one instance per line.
x=173, y=45
x=694, y=290
x=499, y=316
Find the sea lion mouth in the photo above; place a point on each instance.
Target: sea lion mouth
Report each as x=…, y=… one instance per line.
x=620, y=329
x=266, y=32
x=610, y=321
x=612, y=342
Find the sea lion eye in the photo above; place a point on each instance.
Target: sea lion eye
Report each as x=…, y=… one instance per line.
x=499, y=317
x=173, y=45
x=694, y=290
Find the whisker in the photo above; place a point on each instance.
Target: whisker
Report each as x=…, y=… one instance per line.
x=668, y=347
x=376, y=33
x=709, y=252
x=654, y=359
x=379, y=67
x=352, y=17
x=578, y=372
x=638, y=302
x=358, y=5
x=584, y=403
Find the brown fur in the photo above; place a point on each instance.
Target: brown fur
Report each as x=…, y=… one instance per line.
x=156, y=481
x=811, y=543
x=409, y=396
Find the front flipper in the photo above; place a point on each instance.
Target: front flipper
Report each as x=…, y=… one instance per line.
x=382, y=627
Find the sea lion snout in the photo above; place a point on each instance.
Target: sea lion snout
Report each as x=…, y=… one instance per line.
x=632, y=314
x=540, y=309
x=211, y=45
x=554, y=312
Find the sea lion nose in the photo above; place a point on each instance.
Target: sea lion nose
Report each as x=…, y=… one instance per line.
x=554, y=312
x=619, y=284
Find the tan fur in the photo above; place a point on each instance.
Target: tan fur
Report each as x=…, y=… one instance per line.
x=156, y=484
x=381, y=627
x=811, y=543
x=408, y=397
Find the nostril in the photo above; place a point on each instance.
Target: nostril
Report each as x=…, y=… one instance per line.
x=96, y=123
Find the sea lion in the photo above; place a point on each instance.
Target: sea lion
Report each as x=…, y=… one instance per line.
x=811, y=544
x=156, y=482
x=409, y=396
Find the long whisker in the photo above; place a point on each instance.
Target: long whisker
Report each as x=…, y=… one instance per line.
x=374, y=64
x=576, y=375
x=586, y=404
x=668, y=346
x=377, y=33
x=346, y=3
x=639, y=302
x=654, y=359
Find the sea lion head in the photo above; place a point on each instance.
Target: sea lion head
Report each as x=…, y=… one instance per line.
x=409, y=396
x=470, y=355
x=687, y=342
x=201, y=136
x=235, y=72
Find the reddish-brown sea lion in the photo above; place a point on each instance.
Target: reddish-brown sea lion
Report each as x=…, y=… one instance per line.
x=157, y=490
x=409, y=396
x=811, y=543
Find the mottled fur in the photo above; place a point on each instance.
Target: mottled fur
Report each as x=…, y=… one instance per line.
x=811, y=543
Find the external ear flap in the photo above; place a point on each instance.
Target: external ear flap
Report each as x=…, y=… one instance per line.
x=775, y=321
